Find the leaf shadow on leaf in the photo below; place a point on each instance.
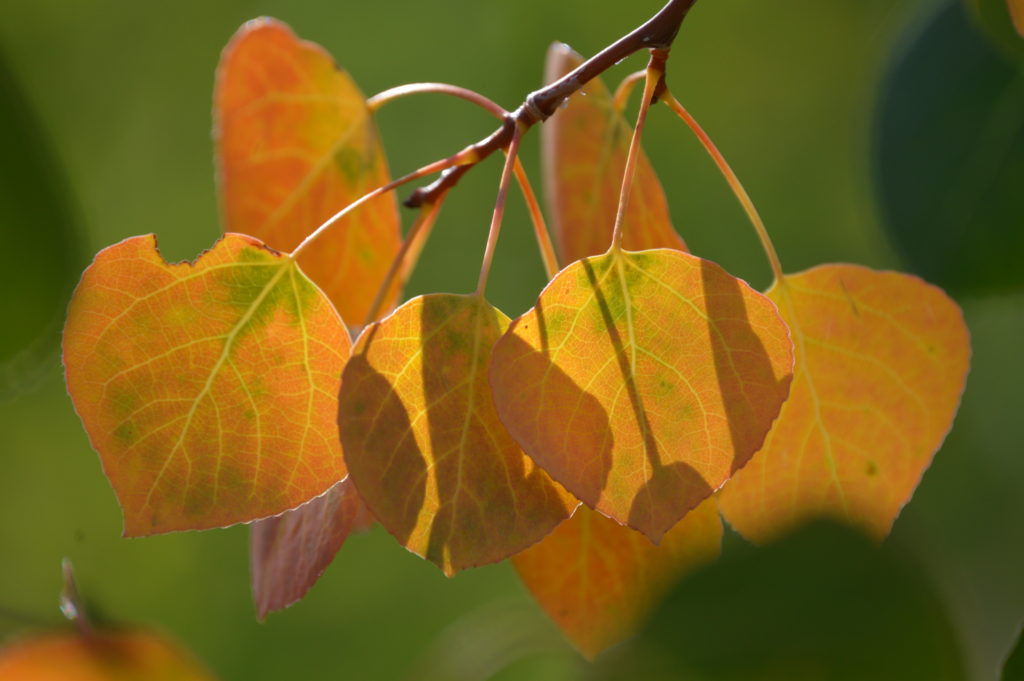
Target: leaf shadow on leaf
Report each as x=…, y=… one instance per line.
x=726, y=306
x=565, y=408
x=408, y=466
x=450, y=356
x=677, y=480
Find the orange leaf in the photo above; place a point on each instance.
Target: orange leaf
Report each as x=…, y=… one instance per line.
x=123, y=656
x=424, y=446
x=584, y=146
x=295, y=144
x=289, y=552
x=642, y=381
x=598, y=579
x=1017, y=15
x=208, y=388
x=881, y=362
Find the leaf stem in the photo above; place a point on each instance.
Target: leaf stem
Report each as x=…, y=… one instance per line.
x=733, y=180
x=390, y=95
x=540, y=228
x=467, y=155
x=499, y=207
x=625, y=89
x=405, y=260
x=657, y=32
x=654, y=73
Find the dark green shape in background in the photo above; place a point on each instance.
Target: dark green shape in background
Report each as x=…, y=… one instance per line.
x=42, y=249
x=1014, y=668
x=949, y=156
x=823, y=604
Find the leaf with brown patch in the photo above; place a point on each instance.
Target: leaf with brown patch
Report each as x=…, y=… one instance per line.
x=289, y=553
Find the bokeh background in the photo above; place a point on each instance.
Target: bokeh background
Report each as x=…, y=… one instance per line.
x=107, y=135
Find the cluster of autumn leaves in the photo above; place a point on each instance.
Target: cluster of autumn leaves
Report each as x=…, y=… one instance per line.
x=650, y=385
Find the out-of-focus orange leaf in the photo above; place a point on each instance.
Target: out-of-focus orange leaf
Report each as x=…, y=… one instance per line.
x=1017, y=15
x=598, y=579
x=288, y=553
x=642, y=381
x=107, y=656
x=295, y=144
x=424, y=445
x=584, y=146
x=208, y=388
x=881, y=362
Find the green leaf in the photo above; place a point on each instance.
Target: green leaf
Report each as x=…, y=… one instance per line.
x=39, y=235
x=950, y=157
x=823, y=604
x=1013, y=670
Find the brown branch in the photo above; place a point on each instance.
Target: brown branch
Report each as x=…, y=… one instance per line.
x=658, y=32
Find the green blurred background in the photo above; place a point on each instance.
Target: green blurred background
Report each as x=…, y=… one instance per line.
x=117, y=113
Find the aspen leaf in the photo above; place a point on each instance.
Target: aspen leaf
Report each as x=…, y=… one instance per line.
x=99, y=656
x=208, y=388
x=295, y=144
x=424, y=445
x=598, y=579
x=642, y=381
x=881, y=360
x=289, y=553
x=584, y=147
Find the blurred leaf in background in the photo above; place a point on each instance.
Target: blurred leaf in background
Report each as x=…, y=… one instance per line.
x=822, y=604
x=44, y=256
x=950, y=156
x=1014, y=668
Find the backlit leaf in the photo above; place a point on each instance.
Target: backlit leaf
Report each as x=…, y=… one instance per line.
x=99, y=656
x=288, y=553
x=881, y=360
x=584, y=146
x=295, y=144
x=598, y=579
x=424, y=445
x=642, y=381
x=208, y=388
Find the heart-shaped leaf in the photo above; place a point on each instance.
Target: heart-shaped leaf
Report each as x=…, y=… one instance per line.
x=881, y=362
x=295, y=144
x=426, y=449
x=585, y=144
x=208, y=388
x=289, y=552
x=642, y=381
x=598, y=579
